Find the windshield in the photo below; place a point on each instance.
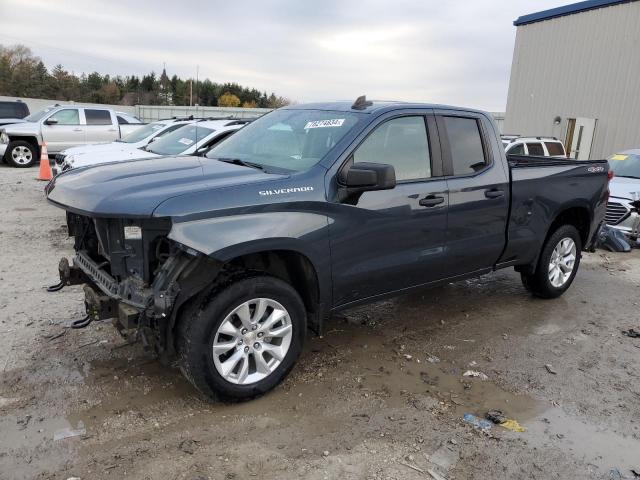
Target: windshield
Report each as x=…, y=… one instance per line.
x=34, y=117
x=180, y=140
x=287, y=139
x=139, y=134
x=625, y=165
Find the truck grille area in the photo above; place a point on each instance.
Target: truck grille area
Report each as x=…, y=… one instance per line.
x=616, y=213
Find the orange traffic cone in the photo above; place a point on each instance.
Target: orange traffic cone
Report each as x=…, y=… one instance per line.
x=45, y=168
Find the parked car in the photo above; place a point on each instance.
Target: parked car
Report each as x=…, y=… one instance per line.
x=62, y=127
x=223, y=261
x=140, y=137
x=13, y=112
x=624, y=202
x=194, y=137
x=537, y=146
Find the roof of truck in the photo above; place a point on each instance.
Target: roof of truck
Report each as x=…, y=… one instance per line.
x=566, y=10
x=374, y=106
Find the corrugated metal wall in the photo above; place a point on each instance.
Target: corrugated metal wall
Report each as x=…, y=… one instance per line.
x=581, y=65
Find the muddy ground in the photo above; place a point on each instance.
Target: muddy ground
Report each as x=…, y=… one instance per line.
x=380, y=396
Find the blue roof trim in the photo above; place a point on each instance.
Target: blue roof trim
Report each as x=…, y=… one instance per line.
x=566, y=10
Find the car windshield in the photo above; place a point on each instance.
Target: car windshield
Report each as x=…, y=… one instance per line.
x=177, y=142
x=139, y=134
x=34, y=117
x=625, y=165
x=293, y=140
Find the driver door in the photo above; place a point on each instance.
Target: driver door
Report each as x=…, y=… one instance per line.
x=388, y=240
x=63, y=129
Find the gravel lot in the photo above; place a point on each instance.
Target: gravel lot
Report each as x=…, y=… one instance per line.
x=380, y=396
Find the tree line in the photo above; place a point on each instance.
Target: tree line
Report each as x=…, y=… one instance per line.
x=23, y=74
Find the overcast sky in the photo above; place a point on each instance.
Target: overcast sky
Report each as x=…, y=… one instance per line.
x=453, y=51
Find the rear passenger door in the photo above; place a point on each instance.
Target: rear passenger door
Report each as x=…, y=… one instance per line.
x=101, y=127
x=478, y=185
x=387, y=240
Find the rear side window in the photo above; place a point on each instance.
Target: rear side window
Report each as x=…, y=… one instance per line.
x=97, y=117
x=535, y=149
x=401, y=142
x=13, y=110
x=517, y=149
x=555, y=149
x=465, y=142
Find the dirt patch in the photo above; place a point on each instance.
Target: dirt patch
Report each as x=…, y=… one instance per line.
x=380, y=396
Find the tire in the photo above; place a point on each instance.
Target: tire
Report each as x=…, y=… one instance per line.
x=549, y=281
x=21, y=154
x=212, y=322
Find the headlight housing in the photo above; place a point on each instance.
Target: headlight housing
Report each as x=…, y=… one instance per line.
x=4, y=138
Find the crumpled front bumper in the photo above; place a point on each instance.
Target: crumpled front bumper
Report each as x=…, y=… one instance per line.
x=3, y=149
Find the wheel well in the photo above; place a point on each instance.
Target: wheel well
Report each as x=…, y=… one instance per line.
x=290, y=266
x=32, y=140
x=576, y=216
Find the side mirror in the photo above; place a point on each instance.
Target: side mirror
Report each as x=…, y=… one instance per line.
x=51, y=121
x=366, y=177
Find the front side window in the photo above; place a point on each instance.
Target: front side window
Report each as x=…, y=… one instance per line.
x=292, y=140
x=68, y=116
x=535, y=149
x=517, y=149
x=97, y=117
x=402, y=143
x=179, y=141
x=34, y=117
x=465, y=142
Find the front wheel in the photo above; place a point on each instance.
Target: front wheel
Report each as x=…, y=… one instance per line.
x=21, y=154
x=557, y=265
x=243, y=341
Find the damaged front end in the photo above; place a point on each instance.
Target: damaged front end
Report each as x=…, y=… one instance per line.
x=135, y=275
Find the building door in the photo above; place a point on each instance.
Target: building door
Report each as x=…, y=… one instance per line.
x=579, y=137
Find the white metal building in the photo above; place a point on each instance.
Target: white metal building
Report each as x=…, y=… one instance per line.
x=576, y=76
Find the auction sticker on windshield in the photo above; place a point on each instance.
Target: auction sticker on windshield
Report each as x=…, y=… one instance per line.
x=185, y=141
x=618, y=157
x=334, y=122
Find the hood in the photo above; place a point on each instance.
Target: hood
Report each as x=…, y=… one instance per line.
x=32, y=128
x=96, y=147
x=106, y=155
x=624, y=187
x=11, y=121
x=137, y=187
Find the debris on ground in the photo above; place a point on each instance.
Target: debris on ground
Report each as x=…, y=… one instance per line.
x=433, y=359
x=477, y=422
x=476, y=374
x=633, y=333
x=189, y=446
x=412, y=467
x=499, y=418
x=70, y=432
x=23, y=422
x=435, y=475
x=496, y=416
x=615, y=474
x=550, y=369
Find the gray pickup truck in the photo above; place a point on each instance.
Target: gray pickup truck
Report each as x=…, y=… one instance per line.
x=222, y=262
x=62, y=127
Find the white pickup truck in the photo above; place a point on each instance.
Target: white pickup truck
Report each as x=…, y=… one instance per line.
x=61, y=127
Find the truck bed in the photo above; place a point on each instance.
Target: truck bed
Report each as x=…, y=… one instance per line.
x=539, y=186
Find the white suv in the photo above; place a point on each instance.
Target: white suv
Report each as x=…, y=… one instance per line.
x=538, y=146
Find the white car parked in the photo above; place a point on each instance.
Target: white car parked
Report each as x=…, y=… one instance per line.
x=624, y=199
x=539, y=146
x=196, y=138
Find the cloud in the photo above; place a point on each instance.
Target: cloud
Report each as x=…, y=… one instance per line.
x=420, y=50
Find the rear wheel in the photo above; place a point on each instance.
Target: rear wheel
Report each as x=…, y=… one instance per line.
x=21, y=154
x=557, y=265
x=244, y=340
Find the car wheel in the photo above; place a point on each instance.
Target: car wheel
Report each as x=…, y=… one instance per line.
x=242, y=341
x=21, y=154
x=557, y=265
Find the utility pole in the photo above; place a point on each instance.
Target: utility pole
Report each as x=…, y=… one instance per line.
x=190, y=91
x=197, y=84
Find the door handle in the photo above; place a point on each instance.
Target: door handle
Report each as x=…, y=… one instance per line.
x=112, y=130
x=494, y=193
x=77, y=129
x=431, y=201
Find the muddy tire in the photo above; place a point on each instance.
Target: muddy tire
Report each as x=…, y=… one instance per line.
x=21, y=154
x=557, y=265
x=242, y=341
